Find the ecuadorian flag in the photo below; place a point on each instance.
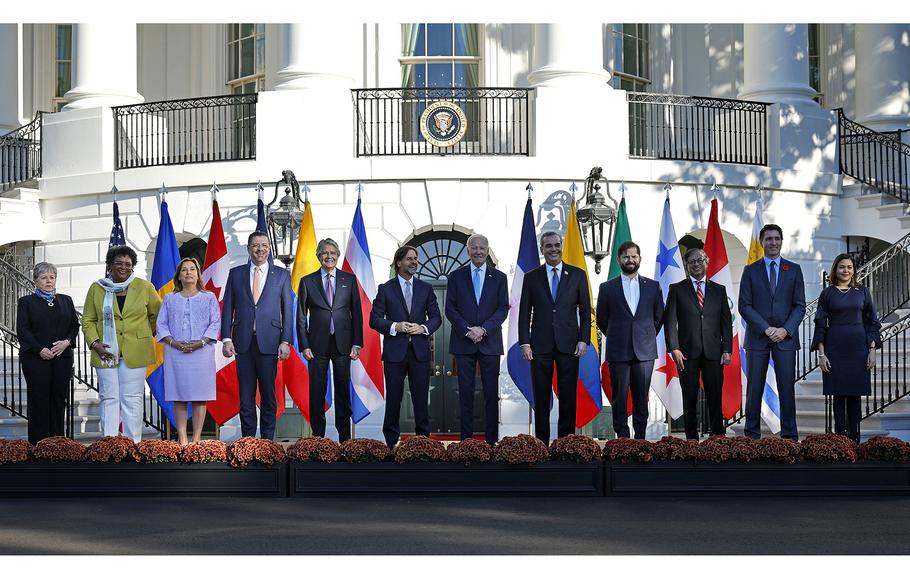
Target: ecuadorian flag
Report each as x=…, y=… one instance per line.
x=167, y=257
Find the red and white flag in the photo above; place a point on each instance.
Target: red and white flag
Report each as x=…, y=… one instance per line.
x=719, y=271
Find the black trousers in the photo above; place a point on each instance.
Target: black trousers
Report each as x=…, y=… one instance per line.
x=847, y=415
x=634, y=376
x=542, y=382
x=47, y=385
x=341, y=380
x=418, y=375
x=257, y=369
x=489, y=377
x=711, y=373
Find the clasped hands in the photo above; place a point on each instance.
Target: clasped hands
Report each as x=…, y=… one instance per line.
x=186, y=346
x=476, y=333
x=776, y=334
x=56, y=349
x=409, y=328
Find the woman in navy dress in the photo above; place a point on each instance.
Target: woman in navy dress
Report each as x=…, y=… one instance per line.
x=846, y=336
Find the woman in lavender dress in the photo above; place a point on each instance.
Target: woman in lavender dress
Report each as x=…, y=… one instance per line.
x=188, y=325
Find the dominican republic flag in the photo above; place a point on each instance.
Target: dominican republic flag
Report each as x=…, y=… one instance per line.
x=215, y=270
x=588, y=399
x=367, y=387
x=719, y=272
x=770, y=402
x=668, y=270
x=528, y=259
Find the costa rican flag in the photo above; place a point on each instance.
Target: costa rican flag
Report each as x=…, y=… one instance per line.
x=528, y=259
x=367, y=387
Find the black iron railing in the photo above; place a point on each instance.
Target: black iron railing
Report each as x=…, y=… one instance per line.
x=702, y=129
x=20, y=154
x=187, y=131
x=388, y=121
x=877, y=159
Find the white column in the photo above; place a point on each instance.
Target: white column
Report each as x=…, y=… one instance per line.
x=10, y=68
x=567, y=53
x=883, y=75
x=776, y=61
x=104, y=66
x=319, y=56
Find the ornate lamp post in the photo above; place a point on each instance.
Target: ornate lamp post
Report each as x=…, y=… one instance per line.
x=284, y=222
x=595, y=217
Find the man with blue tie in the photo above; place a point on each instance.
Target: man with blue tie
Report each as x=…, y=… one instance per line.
x=772, y=301
x=630, y=312
x=477, y=302
x=256, y=326
x=406, y=313
x=554, y=328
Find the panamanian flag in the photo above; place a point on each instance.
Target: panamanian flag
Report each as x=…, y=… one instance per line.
x=668, y=270
x=528, y=259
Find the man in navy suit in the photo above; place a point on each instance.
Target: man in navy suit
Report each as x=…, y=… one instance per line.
x=772, y=300
x=630, y=311
x=256, y=318
x=477, y=302
x=333, y=332
x=554, y=327
x=405, y=312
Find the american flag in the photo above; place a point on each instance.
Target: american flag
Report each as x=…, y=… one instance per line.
x=117, y=236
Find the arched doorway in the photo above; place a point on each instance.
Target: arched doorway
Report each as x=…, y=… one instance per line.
x=441, y=251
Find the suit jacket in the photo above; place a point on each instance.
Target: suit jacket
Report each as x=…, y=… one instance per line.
x=345, y=311
x=761, y=309
x=39, y=326
x=630, y=337
x=389, y=307
x=549, y=326
x=273, y=314
x=135, y=325
x=698, y=330
x=463, y=311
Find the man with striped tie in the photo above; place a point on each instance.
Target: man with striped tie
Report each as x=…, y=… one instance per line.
x=698, y=329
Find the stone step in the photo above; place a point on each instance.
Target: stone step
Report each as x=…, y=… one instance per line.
x=895, y=420
x=892, y=210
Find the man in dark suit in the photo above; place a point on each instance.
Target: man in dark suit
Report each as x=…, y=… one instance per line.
x=477, y=302
x=698, y=329
x=333, y=332
x=772, y=301
x=405, y=312
x=630, y=311
x=256, y=327
x=554, y=328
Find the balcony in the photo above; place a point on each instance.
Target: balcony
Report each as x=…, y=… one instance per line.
x=20, y=154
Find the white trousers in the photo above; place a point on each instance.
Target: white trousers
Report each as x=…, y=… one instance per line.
x=122, y=392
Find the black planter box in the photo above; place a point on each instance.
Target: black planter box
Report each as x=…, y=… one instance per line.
x=139, y=479
x=806, y=478
x=309, y=479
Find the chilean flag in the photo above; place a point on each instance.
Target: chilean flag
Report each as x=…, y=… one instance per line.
x=528, y=259
x=719, y=271
x=367, y=387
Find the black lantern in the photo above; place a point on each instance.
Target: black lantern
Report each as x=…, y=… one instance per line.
x=285, y=220
x=595, y=217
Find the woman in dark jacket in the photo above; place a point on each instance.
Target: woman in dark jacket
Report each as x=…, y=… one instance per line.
x=46, y=324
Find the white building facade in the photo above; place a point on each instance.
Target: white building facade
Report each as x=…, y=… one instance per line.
x=652, y=104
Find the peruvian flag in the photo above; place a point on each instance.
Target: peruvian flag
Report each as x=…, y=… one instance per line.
x=719, y=271
x=214, y=275
x=667, y=270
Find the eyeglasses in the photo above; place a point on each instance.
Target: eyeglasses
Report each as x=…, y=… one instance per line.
x=122, y=264
x=697, y=261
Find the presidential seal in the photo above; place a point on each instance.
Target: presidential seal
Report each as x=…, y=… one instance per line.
x=443, y=124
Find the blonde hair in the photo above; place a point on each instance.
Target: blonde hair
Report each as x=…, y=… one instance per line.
x=178, y=285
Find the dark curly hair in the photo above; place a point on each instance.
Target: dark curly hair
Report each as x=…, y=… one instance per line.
x=120, y=250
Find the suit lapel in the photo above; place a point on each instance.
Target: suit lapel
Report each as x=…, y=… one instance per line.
x=563, y=277
x=320, y=285
x=132, y=292
x=763, y=272
x=693, y=296
x=622, y=296
x=487, y=284
x=400, y=293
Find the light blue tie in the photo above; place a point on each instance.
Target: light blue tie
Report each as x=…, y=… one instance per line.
x=477, y=284
x=554, y=283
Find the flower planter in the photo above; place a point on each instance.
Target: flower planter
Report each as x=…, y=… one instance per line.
x=139, y=479
x=806, y=478
x=309, y=479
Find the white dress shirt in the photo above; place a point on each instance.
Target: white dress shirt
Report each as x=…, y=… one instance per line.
x=631, y=289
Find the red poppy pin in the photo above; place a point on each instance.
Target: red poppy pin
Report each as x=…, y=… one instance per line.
x=785, y=267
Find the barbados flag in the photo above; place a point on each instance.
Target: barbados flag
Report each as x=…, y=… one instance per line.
x=588, y=400
x=167, y=257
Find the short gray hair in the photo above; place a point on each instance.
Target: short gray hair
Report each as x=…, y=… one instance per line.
x=327, y=242
x=43, y=268
x=550, y=234
x=478, y=236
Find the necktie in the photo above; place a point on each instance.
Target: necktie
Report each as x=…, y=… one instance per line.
x=700, y=294
x=330, y=296
x=773, y=277
x=408, y=294
x=477, y=285
x=257, y=281
x=554, y=283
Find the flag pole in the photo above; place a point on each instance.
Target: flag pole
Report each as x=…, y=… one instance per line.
x=306, y=192
x=215, y=189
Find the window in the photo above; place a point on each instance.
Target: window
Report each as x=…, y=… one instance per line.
x=246, y=58
x=631, y=59
x=63, y=64
x=815, y=62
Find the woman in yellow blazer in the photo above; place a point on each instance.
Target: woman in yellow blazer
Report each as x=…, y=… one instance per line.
x=118, y=323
